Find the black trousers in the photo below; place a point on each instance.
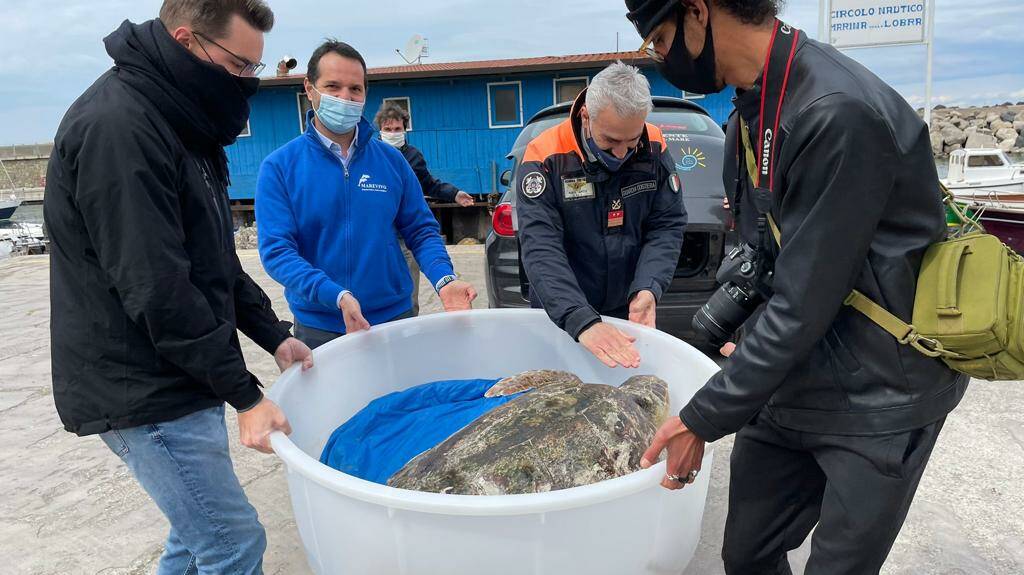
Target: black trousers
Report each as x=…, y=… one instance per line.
x=857, y=490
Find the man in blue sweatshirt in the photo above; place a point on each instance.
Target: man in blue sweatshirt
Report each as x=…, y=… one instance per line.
x=327, y=207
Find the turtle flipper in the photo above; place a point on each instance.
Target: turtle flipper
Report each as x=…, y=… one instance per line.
x=530, y=380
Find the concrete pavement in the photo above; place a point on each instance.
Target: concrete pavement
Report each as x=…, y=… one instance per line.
x=69, y=506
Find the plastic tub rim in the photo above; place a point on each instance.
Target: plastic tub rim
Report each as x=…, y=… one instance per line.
x=298, y=461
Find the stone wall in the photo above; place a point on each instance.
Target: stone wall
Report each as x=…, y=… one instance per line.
x=989, y=127
x=29, y=173
x=25, y=164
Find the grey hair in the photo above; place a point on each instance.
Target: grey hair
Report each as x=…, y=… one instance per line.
x=623, y=87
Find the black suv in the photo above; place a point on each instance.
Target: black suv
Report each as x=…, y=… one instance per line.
x=696, y=143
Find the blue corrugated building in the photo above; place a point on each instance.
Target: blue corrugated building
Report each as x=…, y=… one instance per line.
x=465, y=115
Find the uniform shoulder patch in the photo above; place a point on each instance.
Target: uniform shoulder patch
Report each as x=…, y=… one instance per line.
x=674, y=183
x=534, y=185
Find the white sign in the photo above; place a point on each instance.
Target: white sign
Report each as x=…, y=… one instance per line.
x=857, y=23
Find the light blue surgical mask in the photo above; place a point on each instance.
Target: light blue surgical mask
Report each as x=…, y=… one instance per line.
x=338, y=115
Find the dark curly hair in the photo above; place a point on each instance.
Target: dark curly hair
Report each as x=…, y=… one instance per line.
x=754, y=12
x=391, y=111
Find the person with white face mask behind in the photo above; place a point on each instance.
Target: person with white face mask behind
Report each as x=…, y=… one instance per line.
x=327, y=207
x=393, y=123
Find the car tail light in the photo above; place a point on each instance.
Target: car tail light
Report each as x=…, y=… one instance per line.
x=502, y=221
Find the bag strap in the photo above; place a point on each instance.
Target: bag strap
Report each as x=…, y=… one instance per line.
x=904, y=333
x=968, y=223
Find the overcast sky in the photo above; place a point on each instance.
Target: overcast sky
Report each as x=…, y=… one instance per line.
x=52, y=50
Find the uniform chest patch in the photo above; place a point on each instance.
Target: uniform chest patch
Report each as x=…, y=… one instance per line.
x=616, y=215
x=534, y=185
x=577, y=189
x=639, y=188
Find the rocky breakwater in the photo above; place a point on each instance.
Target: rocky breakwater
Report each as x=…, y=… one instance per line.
x=988, y=127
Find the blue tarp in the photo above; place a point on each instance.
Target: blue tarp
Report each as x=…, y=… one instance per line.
x=392, y=430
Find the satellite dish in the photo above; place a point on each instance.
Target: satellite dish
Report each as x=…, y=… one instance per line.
x=415, y=50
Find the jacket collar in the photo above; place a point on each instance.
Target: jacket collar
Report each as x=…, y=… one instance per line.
x=205, y=105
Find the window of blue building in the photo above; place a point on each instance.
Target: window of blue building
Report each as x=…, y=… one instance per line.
x=505, y=104
x=566, y=89
x=304, y=106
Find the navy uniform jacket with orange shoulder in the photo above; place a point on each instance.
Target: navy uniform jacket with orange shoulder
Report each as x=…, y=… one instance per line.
x=591, y=239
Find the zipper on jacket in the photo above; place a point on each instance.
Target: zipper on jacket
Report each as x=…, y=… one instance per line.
x=346, y=204
x=354, y=149
x=203, y=167
x=348, y=223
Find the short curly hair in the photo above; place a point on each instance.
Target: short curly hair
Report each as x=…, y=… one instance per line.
x=391, y=111
x=754, y=12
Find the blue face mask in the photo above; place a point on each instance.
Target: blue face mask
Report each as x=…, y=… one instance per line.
x=338, y=115
x=608, y=159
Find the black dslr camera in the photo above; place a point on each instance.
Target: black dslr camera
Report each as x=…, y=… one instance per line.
x=746, y=283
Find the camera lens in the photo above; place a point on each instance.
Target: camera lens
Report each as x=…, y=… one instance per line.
x=724, y=313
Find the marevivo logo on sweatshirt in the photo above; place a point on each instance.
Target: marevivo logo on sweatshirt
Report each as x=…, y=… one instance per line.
x=367, y=186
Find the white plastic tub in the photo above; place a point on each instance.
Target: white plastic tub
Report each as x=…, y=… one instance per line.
x=626, y=526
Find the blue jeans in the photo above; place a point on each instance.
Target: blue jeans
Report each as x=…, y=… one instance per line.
x=185, y=467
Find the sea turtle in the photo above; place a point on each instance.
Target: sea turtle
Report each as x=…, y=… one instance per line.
x=531, y=380
x=564, y=433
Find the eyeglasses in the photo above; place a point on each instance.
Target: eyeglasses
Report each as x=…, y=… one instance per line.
x=648, y=48
x=249, y=68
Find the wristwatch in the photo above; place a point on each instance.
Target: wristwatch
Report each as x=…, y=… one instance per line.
x=443, y=282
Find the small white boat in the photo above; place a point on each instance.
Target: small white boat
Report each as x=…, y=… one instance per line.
x=22, y=238
x=8, y=207
x=9, y=202
x=985, y=175
x=992, y=187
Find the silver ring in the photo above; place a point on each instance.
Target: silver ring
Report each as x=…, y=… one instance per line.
x=676, y=478
x=692, y=476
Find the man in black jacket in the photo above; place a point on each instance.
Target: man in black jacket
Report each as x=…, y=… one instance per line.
x=834, y=419
x=146, y=289
x=393, y=122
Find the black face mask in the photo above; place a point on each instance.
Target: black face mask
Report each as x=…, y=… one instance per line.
x=221, y=94
x=248, y=86
x=207, y=105
x=682, y=71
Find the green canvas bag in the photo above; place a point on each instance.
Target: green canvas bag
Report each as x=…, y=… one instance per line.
x=969, y=304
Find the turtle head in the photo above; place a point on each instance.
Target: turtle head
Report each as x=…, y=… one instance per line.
x=650, y=393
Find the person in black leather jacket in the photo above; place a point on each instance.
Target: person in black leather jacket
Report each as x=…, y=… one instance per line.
x=834, y=419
